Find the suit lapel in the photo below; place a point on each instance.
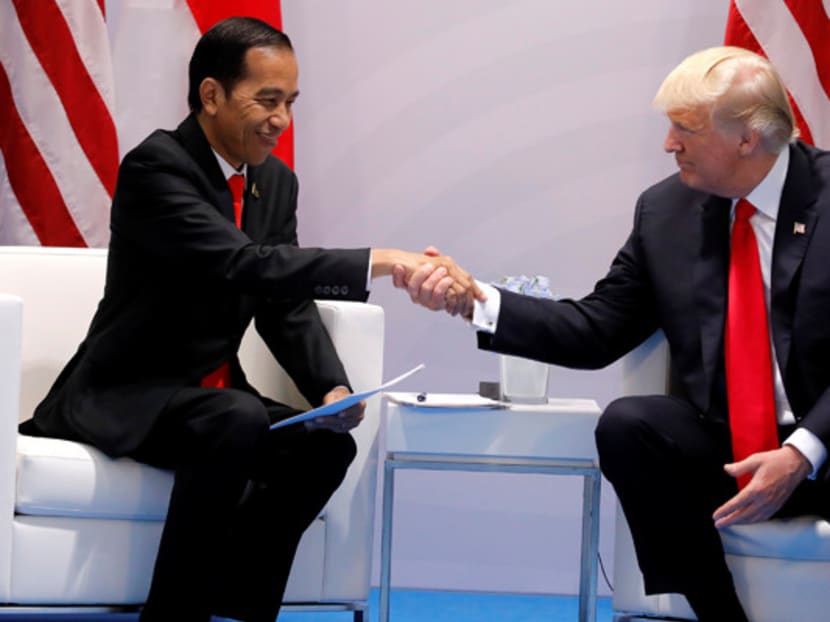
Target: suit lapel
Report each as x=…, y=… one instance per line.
x=251, y=200
x=710, y=278
x=197, y=145
x=793, y=230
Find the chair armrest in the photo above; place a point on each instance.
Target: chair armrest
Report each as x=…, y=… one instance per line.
x=358, y=334
x=646, y=368
x=11, y=328
x=357, y=331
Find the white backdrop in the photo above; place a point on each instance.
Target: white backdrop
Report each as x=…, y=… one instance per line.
x=516, y=136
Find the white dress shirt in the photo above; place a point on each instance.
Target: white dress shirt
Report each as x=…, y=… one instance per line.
x=766, y=198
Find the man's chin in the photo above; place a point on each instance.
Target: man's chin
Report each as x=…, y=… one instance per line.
x=256, y=160
x=688, y=179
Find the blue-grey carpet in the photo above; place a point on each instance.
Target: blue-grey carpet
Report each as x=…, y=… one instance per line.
x=429, y=606
x=417, y=606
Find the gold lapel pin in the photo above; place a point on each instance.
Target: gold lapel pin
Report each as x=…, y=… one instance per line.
x=255, y=191
x=799, y=228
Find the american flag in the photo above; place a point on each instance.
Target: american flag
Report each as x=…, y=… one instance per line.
x=795, y=36
x=81, y=83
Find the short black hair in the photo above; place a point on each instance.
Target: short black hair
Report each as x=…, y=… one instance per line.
x=220, y=53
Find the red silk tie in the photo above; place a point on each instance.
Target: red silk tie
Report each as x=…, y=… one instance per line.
x=220, y=377
x=237, y=185
x=750, y=395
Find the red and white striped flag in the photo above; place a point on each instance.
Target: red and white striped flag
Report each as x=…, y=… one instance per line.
x=77, y=92
x=795, y=36
x=58, y=149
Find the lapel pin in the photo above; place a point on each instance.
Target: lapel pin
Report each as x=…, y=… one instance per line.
x=255, y=193
x=799, y=228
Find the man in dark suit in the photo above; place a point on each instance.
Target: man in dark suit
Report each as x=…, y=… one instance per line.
x=157, y=377
x=674, y=461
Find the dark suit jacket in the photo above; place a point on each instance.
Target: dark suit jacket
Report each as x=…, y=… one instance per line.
x=672, y=274
x=183, y=284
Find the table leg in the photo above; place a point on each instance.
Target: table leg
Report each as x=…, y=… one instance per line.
x=386, y=539
x=590, y=548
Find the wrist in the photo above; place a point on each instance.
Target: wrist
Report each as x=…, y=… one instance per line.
x=803, y=466
x=383, y=260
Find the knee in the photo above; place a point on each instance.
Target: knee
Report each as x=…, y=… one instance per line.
x=240, y=427
x=330, y=454
x=620, y=426
x=338, y=448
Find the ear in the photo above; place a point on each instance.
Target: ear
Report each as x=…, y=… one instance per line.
x=212, y=94
x=750, y=142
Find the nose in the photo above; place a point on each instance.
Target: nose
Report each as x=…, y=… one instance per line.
x=672, y=144
x=281, y=118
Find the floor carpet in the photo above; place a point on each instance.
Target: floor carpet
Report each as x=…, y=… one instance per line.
x=414, y=606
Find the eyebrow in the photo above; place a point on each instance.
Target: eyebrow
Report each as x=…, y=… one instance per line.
x=275, y=91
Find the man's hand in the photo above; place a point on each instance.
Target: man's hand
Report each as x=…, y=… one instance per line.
x=775, y=475
x=437, y=282
x=343, y=421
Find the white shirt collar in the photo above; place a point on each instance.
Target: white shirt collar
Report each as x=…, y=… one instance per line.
x=227, y=170
x=766, y=196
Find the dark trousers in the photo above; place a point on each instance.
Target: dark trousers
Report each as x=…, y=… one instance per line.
x=666, y=465
x=242, y=497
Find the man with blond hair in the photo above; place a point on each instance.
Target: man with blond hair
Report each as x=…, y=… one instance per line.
x=728, y=257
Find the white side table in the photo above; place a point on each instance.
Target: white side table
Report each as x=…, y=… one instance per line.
x=556, y=438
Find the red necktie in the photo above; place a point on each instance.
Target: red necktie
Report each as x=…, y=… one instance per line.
x=237, y=185
x=752, y=419
x=220, y=377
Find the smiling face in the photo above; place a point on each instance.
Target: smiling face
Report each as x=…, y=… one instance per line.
x=709, y=157
x=243, y=126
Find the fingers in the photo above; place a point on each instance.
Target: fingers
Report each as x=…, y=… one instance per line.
x=736, y=469
x=417, y=278
x=341, y=422
x=743, y=509
x=732, y=511
x=399, y=277
x=432, y=290
x=428, y=286
x=439, y=283
x=769, y=487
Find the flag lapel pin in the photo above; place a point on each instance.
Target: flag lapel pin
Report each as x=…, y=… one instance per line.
x=799, y=228
x=255, y=192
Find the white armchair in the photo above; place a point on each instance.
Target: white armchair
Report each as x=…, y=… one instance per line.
x=781, y=568
x=78, y=529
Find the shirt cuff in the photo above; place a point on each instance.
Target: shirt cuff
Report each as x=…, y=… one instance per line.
x=486, y=314
x=810, y=446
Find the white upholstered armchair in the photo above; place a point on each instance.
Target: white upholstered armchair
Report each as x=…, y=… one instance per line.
x=80, y=529
x=781, y=567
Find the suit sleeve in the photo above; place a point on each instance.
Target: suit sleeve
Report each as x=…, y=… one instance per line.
x=161, y=210
x=292, y=328
x=585, y=334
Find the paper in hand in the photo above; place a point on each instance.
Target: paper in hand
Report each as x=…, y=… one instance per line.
x=340, y=405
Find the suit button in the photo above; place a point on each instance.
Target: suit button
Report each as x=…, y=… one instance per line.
x=344, y=289
x=326, y=290
x=318, y=290
x=335, y=291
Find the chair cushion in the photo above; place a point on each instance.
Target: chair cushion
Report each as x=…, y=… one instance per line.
x=801, y=538
x=64, y=478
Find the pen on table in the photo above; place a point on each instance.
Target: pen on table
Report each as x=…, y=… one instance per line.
x=422, y=396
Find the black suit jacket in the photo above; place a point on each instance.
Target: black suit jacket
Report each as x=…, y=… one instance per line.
x=672, y=274
x=183, y=284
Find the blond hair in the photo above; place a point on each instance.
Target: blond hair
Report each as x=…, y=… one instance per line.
x=739, y=87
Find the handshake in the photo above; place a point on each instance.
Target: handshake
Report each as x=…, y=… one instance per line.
x=433, y=280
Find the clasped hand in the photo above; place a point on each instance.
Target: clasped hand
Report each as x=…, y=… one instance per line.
x=437, y=282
